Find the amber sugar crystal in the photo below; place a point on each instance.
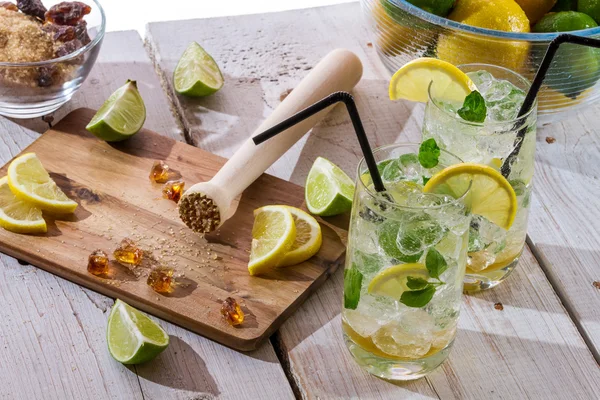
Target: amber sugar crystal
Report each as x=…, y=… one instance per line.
x=173, y=190
x=161, y=280
x=160, y=172
x=128, y=253
x=98, y=263
x=231, y=312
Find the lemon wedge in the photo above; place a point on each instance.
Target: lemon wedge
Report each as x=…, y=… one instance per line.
x=18, y=215
x=411, y=81
x=308, y=238
x=273, y=235
x=29, y=181
x=391, y=282
x=491, y=195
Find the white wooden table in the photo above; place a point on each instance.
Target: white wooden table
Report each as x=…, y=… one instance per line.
x=544, y=344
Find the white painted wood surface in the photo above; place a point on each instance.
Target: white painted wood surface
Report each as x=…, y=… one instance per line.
x=532, y=349
x=564, y=225
x=52, y=335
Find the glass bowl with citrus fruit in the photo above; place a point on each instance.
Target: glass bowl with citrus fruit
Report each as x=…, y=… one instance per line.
x=510, y=33
x=47, y=50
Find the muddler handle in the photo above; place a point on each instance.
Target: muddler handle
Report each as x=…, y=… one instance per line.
x=340, y=70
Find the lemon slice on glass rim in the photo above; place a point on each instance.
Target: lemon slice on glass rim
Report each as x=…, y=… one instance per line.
x=412, y=80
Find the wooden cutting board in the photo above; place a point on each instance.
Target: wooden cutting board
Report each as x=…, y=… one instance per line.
x=117, y=200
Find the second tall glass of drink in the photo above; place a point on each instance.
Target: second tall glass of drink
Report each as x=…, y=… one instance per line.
x=493, y=251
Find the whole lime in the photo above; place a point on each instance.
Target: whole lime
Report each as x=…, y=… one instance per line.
x=437, y=7
x=564, y=21
x=574, y=68
x=590, y=7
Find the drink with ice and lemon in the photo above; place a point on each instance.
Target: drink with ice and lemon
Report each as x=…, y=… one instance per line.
x=405, y=265
x=493, y=251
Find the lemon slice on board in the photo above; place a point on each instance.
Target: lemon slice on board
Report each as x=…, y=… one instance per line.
x=411, y=81
x=17, y=215
x=491, y=195
x=391, y=282
x=133, y=338
x=273, y=235
x=29, y=181
x=308, y=238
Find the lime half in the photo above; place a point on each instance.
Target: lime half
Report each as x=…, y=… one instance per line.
x=121, y=116
x=329, y=190
x=197, y=74
x=133, y=338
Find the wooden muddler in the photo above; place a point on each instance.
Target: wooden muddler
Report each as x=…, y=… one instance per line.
x=207, y=205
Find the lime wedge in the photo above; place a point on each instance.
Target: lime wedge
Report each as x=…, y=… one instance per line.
x=197, y=74
x=121, y=116
x=133, y=338
x=392, y=282
x=329, y=190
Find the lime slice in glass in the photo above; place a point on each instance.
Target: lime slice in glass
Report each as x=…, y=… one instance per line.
x=329, y=190
x=197, y=74
x=121, y=116
x=133, y=338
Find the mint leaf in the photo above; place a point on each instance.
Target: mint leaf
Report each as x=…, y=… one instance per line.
x=416, y=283
x=435, y=263
x=425, y=180
x=418, y=298
x=474, y=108
x=429, y=153
x=388, y=233
x=352, y=284
x=408, y=159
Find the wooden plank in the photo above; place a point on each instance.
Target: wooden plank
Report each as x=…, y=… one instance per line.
x=57, y=365
x=117, y=200
x=196, y=368
x=52, y=337
x=121, y=57
x=277, y=50
x=564, y=225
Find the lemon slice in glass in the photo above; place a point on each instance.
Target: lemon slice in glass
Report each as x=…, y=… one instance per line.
x=29, y=181
x=412, y=80
x=491, y=195
x=308, y=238
x=273, y=235
x=392, y=282
x=133, y=338
x=17, y=215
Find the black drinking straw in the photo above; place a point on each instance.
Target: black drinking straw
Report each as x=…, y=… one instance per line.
x=535, y=88
x=320, y=105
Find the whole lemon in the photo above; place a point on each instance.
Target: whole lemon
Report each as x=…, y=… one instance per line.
x=536, y=9
x=464, y=48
